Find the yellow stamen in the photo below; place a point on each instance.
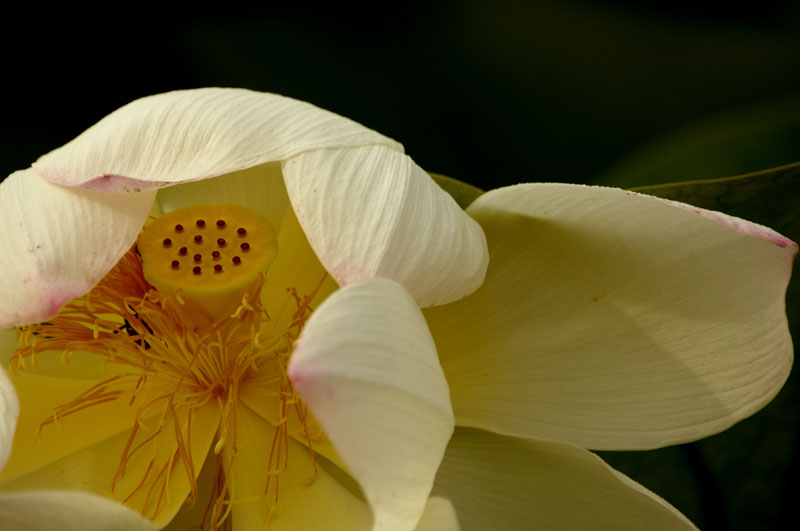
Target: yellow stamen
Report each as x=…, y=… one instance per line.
x=179, y=341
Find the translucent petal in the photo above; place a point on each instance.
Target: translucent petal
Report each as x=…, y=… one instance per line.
x=500, y=482
x=614, y=320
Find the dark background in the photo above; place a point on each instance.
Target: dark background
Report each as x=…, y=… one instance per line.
x=493, y=93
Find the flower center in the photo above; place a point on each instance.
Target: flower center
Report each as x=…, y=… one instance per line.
x=210, y=254
x=181, y=320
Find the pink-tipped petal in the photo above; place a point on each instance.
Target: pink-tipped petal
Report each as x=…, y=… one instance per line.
x=188, y=135
x=58, y=242
x=366, y=366
x=614, y=320
x=738, y=224
x=367, y=209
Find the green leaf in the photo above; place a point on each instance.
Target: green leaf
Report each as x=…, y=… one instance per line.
x=463, y=193
x=730, y=143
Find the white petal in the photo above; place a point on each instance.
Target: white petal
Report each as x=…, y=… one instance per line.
x=367, y=367
x=58, y=242
x=439, y=515
x=260, y=189
x=613, y=320
x=499, y=482
x=372, y=212
x=46, y=510
x=9, y=411
x=188, y=135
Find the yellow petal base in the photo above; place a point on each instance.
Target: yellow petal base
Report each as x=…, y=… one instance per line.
x=183, y=351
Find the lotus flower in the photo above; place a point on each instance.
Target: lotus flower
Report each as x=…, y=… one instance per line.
x=256, y=356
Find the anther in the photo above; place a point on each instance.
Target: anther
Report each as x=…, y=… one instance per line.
x=237, y=260
x=245, y=246
x=198, y=258
x=217, y=268
x=167, y=242
x=178, y=228
x=182, y=251
x=198, y=239
x=201, y=223
x=197, y=270
x=221, y=242
x=175, y=264
x=241, y=231
x=220, y=223
x=215, y=255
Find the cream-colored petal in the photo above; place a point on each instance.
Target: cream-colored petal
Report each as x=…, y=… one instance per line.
x=9, y=410
x=439, y=515
x=46, y=510
x=614, y=320
x=500, y=482
x=297, y=497
x=295, y=268
x=259, y=188
x=372, y=212
x=367, y=368
x=188, y=135
x=58, y=242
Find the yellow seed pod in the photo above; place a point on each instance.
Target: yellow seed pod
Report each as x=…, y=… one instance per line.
x=212, y=254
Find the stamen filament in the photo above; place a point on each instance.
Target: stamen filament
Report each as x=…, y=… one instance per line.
x=172, y=370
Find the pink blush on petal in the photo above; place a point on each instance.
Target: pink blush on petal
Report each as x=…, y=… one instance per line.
x=739, y=225
x=57, y=298
x=120, y=184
